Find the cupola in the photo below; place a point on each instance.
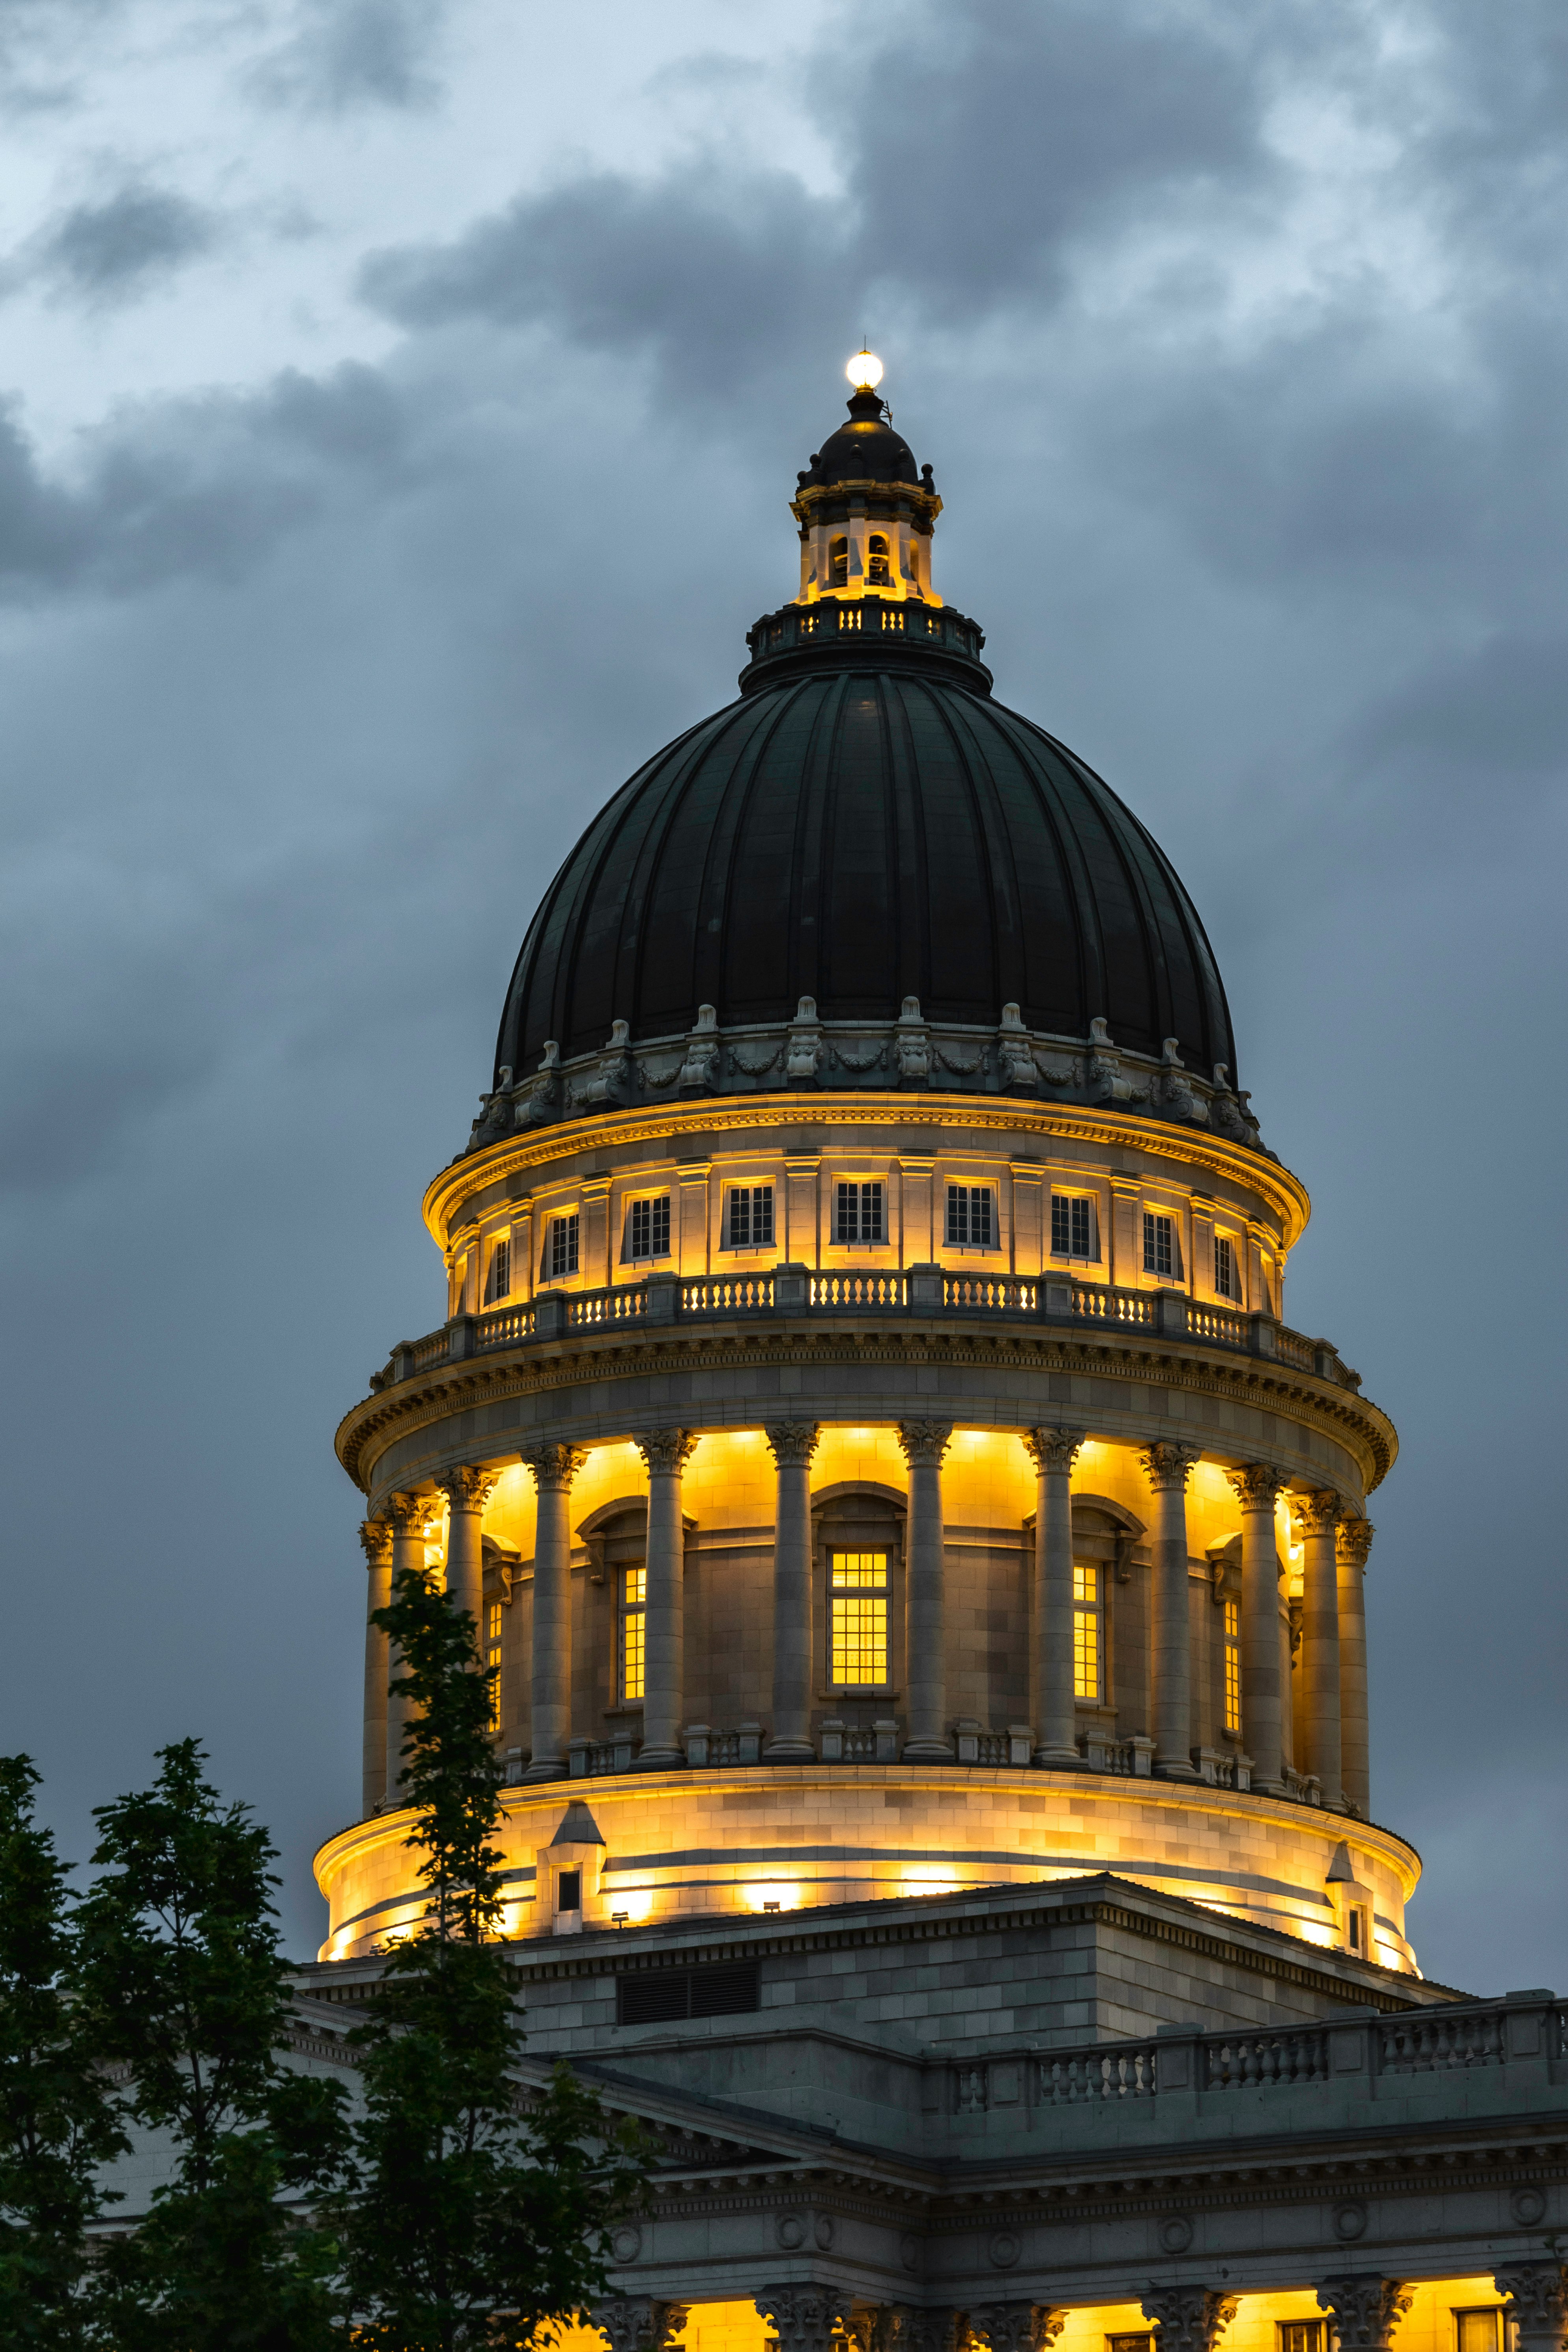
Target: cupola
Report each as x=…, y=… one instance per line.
x=866, y=514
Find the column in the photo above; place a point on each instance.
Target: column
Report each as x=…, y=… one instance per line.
x=664, y=1451
x=1168, y=1468
x=1354, y=1542
x=1262, y=1714
x=1051, y=1702
x=1190, y=2318
x=793, y=1442
x=467, y=1489
x=1366, y=2310
x=925, y=1648
x=1317, y=1518
x=407, y=1515
x=550, y=1667
x=1016, y=2327
x=375, y=1536
x=806, y=2318
x=1538, y=2304
x=639, y=2323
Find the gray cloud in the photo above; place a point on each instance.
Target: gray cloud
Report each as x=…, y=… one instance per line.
x=343, y=54
x=118, y=250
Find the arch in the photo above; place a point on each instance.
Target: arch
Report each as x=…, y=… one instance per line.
x=847, y=1489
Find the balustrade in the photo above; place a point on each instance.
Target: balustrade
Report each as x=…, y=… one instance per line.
x=1249, y=2062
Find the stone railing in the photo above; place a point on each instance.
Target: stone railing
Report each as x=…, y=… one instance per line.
x=1341, y=2052
x=924, y=1292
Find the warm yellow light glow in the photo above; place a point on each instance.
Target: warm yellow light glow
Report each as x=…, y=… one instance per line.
x=865, y=370
x=930, y=1879
x=767, y=1895
x=637, y=1902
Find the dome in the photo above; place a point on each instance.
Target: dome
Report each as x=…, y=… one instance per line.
x=867, y=449
x=860, y=831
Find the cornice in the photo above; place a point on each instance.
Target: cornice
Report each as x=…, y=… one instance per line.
x=412, y=1405
x=995, y=1114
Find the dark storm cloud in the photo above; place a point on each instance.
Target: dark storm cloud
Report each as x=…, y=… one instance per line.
x=342, y=54
x=118, y=250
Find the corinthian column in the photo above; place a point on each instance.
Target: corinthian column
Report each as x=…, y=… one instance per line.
x=1317, y=1517
x=407, y=1515
x=375, y=1536
x=550, y=1667
x=1168, y=1468
x=1538, y=2303
x=467, y=1489
x=1366, y=2310
x=793, y=1442
x=1051, y=1701
x=1353, y=1545
x=664, y=1451
x=1190, y=2318
x=924, y=1442
x=1262, y=1703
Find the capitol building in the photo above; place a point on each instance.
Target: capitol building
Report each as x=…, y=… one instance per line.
x=923, y=1565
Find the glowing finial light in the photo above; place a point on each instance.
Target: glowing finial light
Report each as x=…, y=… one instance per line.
x=865, y=370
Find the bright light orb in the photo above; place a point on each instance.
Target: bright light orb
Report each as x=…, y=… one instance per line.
x=865, y=370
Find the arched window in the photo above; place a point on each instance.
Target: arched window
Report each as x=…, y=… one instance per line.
x=838, y=562
x=876, y=567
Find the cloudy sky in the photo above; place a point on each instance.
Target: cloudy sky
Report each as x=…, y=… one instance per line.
x=400, y=405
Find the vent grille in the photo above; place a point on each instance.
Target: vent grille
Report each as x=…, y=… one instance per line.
x=721, y=1989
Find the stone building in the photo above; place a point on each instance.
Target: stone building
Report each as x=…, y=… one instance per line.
x=923, y=1567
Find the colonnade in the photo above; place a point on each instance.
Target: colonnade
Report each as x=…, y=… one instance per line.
x=1334, y=1633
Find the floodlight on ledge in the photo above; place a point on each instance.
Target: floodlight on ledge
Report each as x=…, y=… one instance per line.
x=865, y=370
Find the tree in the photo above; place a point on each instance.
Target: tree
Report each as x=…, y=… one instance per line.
x=183, y=1983
x=481, y=2211
x=59, y=2119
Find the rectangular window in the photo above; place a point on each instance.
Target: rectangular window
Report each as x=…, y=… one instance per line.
x=858, y=1582
x=560, y=1246
x=722, y=1989
x=634, y=1619
x=569, y=1891
x=1233, y=1666
x=492, y=1660
x=1072, y=1225
x=1225, y=1281
x=749, y=1217
x=1301, y=2336
x=971, y=1221
x=858, y=1215
x=498, y=1285
x=1088, y=1647
x=1160, y=1255
x=1128, y=2343
x=648, y=1228
x=1477, y=2331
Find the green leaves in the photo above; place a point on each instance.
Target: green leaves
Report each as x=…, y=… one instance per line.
x=58, y=2120
x=483, y=2209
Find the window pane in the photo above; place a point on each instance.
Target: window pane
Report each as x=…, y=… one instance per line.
x=499, y=1283
x=1072, y=1225
x=858, y=1632
x=957, y=1215
x=762, y=1214
x=492, y=1660
x=1224, y=1267
x=1478, y=2331
x=1081, y=1247
x=1302, y=2336
x=658, y=1236
x=634, y=1600
x=1061, y=1229
x=1159, y=1254
x=862, y=1571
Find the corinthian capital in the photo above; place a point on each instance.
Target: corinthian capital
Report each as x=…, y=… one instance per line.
x=793, y=1442
x=467, y=1487
x=806, y=2318
x=407, y=1513
x=1016, y=2327
x=639, y=2323
x=924, y=1442
x=1190, y=2317
x=1168, y=1467
x=375, y=1541
x=1538, y=2304
x=1255, y=1485
x=666, y=1451
x=1355, y=1537
x=1052, y=1449
x=1317, y=1514
x=554, y=1466
x=1366, y=2310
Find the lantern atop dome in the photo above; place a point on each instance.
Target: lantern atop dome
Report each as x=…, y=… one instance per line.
x=866, y=513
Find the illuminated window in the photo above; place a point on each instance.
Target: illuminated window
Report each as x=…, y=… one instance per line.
x=858, y=1582
x=492, y=1660
x=877, y=563
x=560, y=1248
x=1225, y=1281
x=634, y=1621
x=749, y=1217
x=838, y=563
x=1233, y=1666
x=648, y=1228
x=499, y=1284
x=1301, y=2336
x=1072, y=1226
x=912, y=564
x=1161, y=1254
x=1128, y=2343
x=858, y=1215
x=1087, y=1642
x=1357, y=1940
x=970, y=1218
x=1477, y=2331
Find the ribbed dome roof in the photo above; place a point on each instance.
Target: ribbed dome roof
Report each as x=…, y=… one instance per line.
x=862, y=830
